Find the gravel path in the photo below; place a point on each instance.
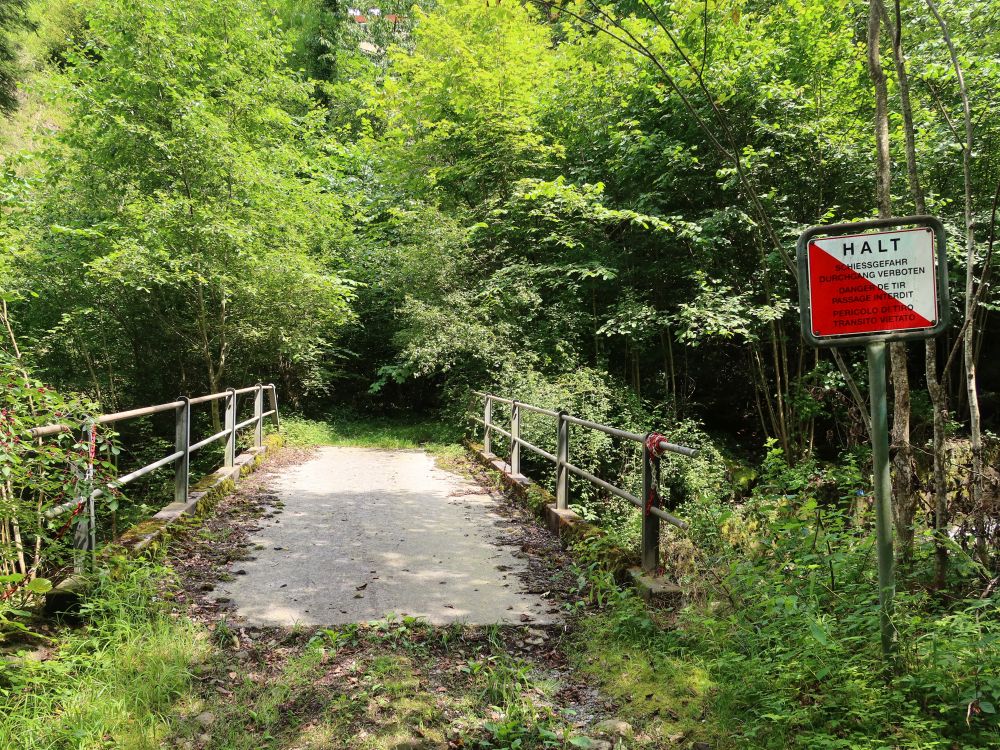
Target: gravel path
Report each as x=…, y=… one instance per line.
x=365, y=533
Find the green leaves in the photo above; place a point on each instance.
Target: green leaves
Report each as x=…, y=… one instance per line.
x=38, y=586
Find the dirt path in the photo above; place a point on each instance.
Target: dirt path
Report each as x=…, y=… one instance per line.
x=392, y=683
x=362, y=533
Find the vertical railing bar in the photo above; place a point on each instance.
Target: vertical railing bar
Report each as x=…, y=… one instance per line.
x=562, y=458
x=515, y=435
x=93, y=528
x=488, y=428
x=650, y=523
x=81, y=538
x=182, y=443
x=258, y=412
x=273, y=399
x=230, y=458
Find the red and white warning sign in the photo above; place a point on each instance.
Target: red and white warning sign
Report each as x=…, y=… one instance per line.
x=873, y=283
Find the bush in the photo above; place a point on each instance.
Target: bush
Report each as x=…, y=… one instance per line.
x=36, y=476
x=790, y=631
x=595, y=396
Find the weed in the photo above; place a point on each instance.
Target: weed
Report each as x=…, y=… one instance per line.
x=347, y=429
x=110, y=684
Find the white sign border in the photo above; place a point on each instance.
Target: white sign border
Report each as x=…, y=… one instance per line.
x=857, y=228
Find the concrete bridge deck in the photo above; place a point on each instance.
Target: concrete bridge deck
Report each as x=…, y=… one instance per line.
x=368, y=532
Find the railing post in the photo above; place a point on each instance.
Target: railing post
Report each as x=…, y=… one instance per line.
x=82, y=536
x=515, y=432
x=562, y=458
x=182, y=442
x=258, y=412
x=487, y=429
x=230, y=458
x=650, y=523
x=273, y=399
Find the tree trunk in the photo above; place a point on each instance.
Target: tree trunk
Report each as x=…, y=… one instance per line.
x=968, y=341
x=938, y=394
x=904, y=501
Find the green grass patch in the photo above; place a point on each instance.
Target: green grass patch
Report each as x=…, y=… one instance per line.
x=390, y=433
x=111, y=683
x=667, y=698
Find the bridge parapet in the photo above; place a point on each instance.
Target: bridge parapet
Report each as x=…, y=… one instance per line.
x=85, y=533
x=653, y=446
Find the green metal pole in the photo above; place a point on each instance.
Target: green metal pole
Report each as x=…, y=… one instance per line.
x=883, y=493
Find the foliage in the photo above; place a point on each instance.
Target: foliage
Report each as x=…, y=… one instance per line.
x=115, y=681
x=347, y=428
x=186, y=225
x=12, y=17
x=37, y=476
x=786, y=644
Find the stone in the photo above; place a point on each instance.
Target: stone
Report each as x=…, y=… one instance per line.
x=205, y=718
x=613, y=728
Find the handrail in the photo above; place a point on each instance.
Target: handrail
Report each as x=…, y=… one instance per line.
x=183, y=448
x=648, y=502
x=605, y=429
x=536, y=449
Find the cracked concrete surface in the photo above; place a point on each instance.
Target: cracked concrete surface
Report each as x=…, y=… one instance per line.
x=365, y=533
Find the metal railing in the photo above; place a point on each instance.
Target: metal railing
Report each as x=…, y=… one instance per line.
x=650, y=519
x=85, y=536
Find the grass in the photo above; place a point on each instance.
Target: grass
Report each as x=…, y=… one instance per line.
x=112, y=683
x=667, y=698
x=390, y=433
x=440, y=439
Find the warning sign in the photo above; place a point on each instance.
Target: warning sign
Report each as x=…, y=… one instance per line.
x=872, y=284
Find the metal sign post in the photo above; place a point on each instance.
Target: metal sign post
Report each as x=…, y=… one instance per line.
x=858, y=286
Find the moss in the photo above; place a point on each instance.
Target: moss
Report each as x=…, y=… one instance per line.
x=538, y=500
x=141, y=532
x=667, y=698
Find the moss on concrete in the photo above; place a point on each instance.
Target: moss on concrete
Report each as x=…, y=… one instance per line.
x=571, y=528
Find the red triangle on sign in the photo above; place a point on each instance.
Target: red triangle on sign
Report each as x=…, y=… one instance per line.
x=842, y=301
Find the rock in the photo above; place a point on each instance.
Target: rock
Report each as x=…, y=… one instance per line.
x=592, y=744
x=701, y=746
x=411, y=744
x=613, y=728
x=205, y=718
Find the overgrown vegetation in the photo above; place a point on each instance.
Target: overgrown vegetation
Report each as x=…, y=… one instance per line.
x=114, y=682
x=350, y=429
x=777, y=646
x=586, y=207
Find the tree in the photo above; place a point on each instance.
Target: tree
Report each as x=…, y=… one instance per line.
x=12, y=18
x=189, y=227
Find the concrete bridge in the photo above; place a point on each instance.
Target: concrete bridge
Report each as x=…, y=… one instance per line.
x=366, y=533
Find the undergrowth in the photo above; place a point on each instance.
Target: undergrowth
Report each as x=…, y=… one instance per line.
x=779, y=646
x=111, y=682
x=344, y=428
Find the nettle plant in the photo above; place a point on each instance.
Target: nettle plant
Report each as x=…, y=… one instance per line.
x=37, y=475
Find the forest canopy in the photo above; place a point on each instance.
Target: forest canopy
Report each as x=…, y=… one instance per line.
x=585, y=206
